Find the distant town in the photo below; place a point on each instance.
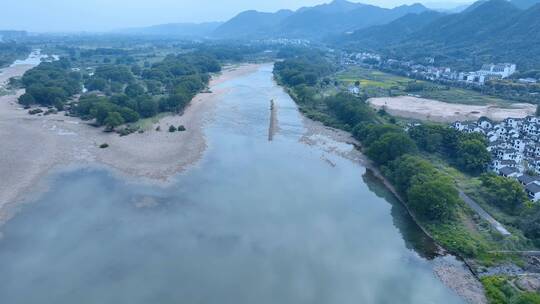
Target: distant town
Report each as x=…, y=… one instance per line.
x=428, y=71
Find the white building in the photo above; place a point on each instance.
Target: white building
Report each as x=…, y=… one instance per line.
x=533, y=190
x=504, y=70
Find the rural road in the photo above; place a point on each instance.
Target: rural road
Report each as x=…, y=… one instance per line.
x=469, y=201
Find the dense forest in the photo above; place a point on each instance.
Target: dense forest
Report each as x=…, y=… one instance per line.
x=120, y=92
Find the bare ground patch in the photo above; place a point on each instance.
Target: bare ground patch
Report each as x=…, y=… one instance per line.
x=438, y=111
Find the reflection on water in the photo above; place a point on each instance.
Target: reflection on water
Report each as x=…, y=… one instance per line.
x=413, y=236
x=254, y=222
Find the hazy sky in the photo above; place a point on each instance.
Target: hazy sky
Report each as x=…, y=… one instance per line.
x=104, y=15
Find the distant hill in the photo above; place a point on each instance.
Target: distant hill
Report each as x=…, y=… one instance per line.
x=393, y=32
x=471, y=26
x=188, y=30
x=251, y=24
x=337, y=17
x=524, y=4
x=493, y=30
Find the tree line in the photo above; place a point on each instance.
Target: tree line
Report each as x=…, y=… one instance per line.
x=120, y=93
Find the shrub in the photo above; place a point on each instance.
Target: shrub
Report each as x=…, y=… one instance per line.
x=35, y=111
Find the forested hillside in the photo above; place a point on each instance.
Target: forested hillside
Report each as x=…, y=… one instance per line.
x=315, y=22
x=489, y=31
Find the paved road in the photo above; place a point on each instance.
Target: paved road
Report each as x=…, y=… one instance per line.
x=469, y=201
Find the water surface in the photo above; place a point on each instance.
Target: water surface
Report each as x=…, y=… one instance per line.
x=253, y=222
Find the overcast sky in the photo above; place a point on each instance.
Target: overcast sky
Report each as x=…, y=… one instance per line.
x=104, y=15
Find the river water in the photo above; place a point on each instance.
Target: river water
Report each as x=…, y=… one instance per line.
x=253, y=222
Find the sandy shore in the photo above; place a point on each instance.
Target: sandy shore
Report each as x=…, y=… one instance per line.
x=34, y=145
x=438, y=111
x=14, y=71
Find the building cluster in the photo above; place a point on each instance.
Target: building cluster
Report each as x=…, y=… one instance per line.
x=360, y=58
x=285, y=42
x=427, y=70
x=488, y=72
x=514, y=145
x=445, y=74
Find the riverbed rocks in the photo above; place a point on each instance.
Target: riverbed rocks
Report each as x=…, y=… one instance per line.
x=460, y=279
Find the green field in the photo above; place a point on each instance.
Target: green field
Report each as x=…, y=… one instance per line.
x=375, y=83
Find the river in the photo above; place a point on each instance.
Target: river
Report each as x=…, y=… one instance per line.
x=254, y=221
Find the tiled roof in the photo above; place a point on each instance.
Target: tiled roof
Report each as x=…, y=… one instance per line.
x=533, y=188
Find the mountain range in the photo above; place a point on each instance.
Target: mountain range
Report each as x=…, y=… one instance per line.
x=319, y=21
x=494, y=30
x=487, y=30
x=314, y=22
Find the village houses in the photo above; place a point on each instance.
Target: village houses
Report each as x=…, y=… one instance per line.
x=514, y=145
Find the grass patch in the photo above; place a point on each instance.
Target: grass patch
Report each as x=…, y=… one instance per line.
x=380, y=84
x=147, y=123
x=457, y=238
x=501, y=290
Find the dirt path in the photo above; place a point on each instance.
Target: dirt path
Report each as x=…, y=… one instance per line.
x=483, y=214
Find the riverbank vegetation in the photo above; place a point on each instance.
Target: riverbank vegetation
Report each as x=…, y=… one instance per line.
x=427, y=165
x=501, y=290
x=120, y=92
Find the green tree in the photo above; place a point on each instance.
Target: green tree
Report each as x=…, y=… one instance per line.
x=527, y=298
x=433, y=197
x=147, y=106
x=113, y=120
x=100, y=112
x=96, y=84
x=403, y=170
x=27, y=99
x=473, y=156
x=503, y=192
x=128, y=114
x=429, y=138
x=133, y=90
x=368, y=133
x=389, y=147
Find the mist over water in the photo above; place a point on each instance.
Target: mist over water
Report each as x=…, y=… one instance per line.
x=253, y=222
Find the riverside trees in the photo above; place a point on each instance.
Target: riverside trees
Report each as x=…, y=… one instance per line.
x=119, y=96
x=429, y=193
x=467, y=150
